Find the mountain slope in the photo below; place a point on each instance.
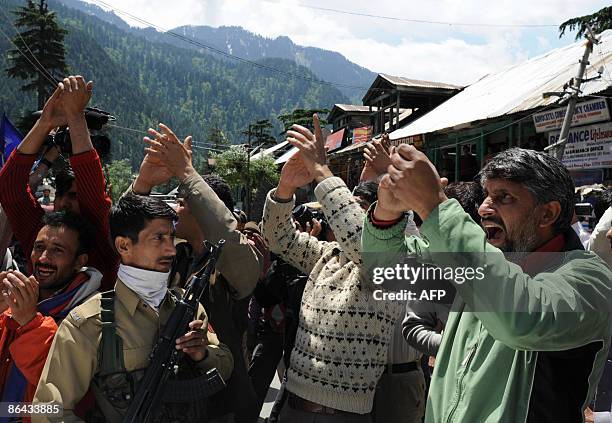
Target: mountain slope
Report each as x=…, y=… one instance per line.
x=143, y=82
x=327, y=65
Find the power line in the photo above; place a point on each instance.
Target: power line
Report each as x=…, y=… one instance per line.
x=46, y=73
x=420, y=21
x=25, y=56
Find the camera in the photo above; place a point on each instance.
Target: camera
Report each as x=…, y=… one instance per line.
x=304, y=214
x=584, y=209
x=96, y=119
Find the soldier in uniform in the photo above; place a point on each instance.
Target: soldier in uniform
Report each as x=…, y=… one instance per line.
x=105, y=343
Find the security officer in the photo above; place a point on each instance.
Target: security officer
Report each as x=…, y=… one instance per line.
x=85, y=351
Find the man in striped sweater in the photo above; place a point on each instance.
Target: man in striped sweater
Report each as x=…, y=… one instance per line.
x=343, y=336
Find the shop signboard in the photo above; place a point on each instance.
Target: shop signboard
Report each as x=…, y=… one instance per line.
x=416, y=140
x=587, y=147
x=586, y=112
x=334, y=140
x=363, y=134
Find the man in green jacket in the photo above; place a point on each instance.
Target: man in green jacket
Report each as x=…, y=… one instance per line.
x=526, y=342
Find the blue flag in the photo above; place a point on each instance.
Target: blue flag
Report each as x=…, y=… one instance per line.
x=9, y=138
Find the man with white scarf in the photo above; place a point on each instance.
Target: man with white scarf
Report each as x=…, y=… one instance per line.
x=142, y=230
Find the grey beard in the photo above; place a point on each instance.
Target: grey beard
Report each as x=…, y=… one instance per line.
x=524, y=241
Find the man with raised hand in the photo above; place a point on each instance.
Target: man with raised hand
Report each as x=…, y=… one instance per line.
x=205, y=213
x=343, y=334
x=81, y=192
x=526, y=342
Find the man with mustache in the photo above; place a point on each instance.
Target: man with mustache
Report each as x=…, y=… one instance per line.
x=204, y=212
x=32, y=307
x=527, y=342
x=112, y=362
x=80, y=190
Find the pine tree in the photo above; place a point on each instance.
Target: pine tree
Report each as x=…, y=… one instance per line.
x=599, y=22
x=303, y=117
x=41, y=39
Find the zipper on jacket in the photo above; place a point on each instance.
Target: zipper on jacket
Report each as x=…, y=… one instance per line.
x=466, y=365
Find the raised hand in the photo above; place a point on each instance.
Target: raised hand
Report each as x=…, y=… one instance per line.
x=312, y=148
x=414, y=181
x=52, y=113
x=76, y=95
x=167, y=150
x=377, y=159
x=294, y=174
x=21, y=295
x=152, y=172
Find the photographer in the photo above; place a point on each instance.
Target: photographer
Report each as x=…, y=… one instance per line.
x=64, y=107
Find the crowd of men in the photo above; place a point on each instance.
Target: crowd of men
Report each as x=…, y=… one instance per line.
x=525, y=338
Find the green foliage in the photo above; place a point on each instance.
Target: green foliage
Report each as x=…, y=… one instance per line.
x=41, y=40
x=231, y=165
x=119, y=174
x=259, y=133
x=599, y=22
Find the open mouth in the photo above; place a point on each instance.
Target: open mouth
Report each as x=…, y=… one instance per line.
x=44, y=272
x=495, y=233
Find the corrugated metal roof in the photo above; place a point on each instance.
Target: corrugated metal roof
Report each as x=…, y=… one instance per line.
x=269, y=151
x=406, y=82
x=517, y=88
x=353, y=108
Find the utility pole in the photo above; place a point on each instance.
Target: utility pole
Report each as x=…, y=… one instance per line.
x=558, y=148
x=248, y=175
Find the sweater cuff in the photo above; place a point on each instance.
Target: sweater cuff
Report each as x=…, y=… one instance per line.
x=326, y=186
x=280, y=205
x=382, y=224
x=389, y=232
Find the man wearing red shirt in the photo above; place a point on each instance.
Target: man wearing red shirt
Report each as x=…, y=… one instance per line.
x=82, y=193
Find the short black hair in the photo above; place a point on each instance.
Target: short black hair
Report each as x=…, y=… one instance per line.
x=75, y=222
x=63, y=181
x=469, y=195
x=221, y=188
x=601, y=201
x=367, y=190
x=131, y=213
x=543, y=175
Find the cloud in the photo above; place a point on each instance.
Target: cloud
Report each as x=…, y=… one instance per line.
x=449, y=53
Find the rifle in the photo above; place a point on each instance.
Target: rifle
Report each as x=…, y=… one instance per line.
x=165, y=358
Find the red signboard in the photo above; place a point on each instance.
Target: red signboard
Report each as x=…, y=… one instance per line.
x=334, y=140
x=363, y=134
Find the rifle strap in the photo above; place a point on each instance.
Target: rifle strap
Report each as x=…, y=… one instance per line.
x=111, y=345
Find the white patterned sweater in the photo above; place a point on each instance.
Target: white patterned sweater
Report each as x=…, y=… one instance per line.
x=343, y=336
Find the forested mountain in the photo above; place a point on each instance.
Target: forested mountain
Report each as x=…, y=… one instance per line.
x=143, y=82
x=327, y=65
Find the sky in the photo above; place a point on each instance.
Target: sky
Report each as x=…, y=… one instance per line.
x=451, y=53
